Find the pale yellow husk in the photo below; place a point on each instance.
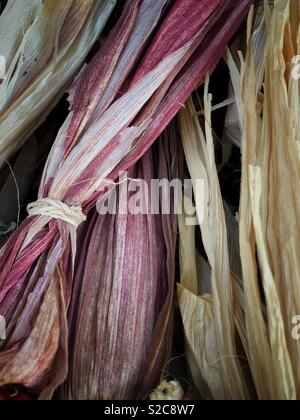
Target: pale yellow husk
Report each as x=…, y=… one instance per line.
x=262, y=296
x=270, y=207
x=209, y=319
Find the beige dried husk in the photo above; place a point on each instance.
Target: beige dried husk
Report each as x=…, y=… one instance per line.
x=270, y=207
x=260, y=294
x=209, y=319
x=42, y=45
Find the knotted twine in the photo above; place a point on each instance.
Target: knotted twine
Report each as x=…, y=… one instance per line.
x=56, y=209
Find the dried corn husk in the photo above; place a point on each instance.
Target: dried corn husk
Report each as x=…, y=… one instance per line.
x=233, y=123
x=209, y=319
x=197, y=315
x=43, y=43
x=96, y=142
x=269, y=214
x=127, y=280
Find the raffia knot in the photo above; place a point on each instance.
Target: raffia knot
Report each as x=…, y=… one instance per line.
x=57, y=210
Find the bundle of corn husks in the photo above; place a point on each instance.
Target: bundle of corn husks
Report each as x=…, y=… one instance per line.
x=87, y=281
x=120, y=103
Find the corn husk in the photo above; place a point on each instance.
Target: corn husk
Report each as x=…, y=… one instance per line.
x=44, y=43
x=209, y=319
x=234, y=123
x=269, y=213
x=127, y=280
x=96, y=142
x=266, y=289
